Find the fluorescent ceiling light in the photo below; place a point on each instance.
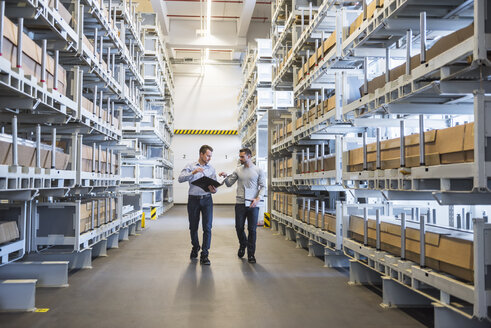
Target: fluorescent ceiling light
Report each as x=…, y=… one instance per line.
x=208, y=17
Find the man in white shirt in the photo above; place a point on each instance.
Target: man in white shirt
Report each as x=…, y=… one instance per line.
x=250, y=189
x=200, y=201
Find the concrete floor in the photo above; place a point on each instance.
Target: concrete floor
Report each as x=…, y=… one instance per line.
x=150, y=282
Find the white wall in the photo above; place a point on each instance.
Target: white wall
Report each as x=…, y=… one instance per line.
x=206, y=102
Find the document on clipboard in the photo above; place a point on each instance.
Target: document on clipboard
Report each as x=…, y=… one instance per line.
x=204, y=182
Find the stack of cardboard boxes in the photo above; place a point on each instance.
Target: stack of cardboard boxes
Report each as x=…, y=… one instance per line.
x=322, y=51
x=32, y=57
x=102, y=113
x=106, y=161
x=445, y=146
x=445, y=251
x=283, y=203
x=27, y=154
x=370, y=12
x=284, y=132
x=439, y=47
x=104, y=212
x=283, y=168
x=330, y=42
x=314, y=112
x=308, y=214
x=324, y=163
x=85, y=216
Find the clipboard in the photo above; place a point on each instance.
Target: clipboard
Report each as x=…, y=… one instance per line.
x=204, y=182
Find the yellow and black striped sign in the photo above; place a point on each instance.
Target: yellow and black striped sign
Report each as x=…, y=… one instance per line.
x=221, y=132
x=267, y=220
x=153, y=213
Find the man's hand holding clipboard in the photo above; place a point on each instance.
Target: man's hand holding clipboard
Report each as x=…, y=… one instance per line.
x=207, y=184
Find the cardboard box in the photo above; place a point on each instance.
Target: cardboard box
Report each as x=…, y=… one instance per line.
x=299, y=123
x=444, y=252
x=311, y=61
x=8, y=231
x=300, y=74
x=289, y=128
x=32, y=56
x=371, y=9
x=442, y=45
x=312, y=217
x=88, y=44
x=329, y=223
x=67, y=17
x=26, y=154
x=61, y=160
x=330, y=42
x=357, y=22
x=445, y=146
x=101, y=212
x=113, y=209
x=85, y=216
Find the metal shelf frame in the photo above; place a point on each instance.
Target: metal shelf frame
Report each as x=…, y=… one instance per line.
x=451, y=85
x=101, y=47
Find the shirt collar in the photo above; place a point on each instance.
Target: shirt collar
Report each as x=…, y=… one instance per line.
x=197, y=163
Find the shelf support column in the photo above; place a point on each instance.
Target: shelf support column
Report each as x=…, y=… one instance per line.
x=365, y=164
x=422, y=30
x=20, y=28
x=422, y=154
x=422, y=241
x=377, y=231
x=402, y=146
x=480, y=140
x=403, y=236
x=43, y=61
x=2, y=21
x=53, y=148
x=409, y=45
x=339, y=155
x=378, y=149
x=15, y=153
x=38, y=146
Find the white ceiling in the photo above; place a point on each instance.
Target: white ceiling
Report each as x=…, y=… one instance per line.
x=234, y=24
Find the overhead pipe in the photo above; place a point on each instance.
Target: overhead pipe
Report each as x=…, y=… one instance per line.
x=220, y=1
x=198, y=50
x=218, y=17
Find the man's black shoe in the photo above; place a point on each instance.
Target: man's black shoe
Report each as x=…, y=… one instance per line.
x=251, y=259
x=204, y=260
x=194, y=253
x=241, y=252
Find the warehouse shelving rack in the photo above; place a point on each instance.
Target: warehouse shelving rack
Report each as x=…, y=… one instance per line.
x=257, y=100
x=448, y=89
x=65, y=101
x=257, y=82
x=148, y=161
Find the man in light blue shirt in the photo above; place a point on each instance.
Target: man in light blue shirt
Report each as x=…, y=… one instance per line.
x=200, y=201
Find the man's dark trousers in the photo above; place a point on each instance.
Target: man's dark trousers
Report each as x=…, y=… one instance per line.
x=203, y=205
x=242, y=213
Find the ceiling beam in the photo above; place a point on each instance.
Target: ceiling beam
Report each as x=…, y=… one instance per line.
x=160, y=7
x=245, y=18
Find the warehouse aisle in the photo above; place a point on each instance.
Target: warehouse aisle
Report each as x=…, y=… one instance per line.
x=150, y=282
